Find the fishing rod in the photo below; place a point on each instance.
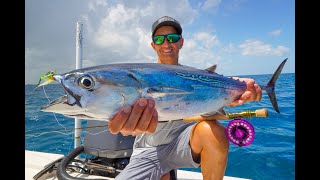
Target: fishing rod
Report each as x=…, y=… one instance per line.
x=228, y=116
x=245, y=114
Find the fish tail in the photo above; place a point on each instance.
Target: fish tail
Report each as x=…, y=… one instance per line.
x=270, y=87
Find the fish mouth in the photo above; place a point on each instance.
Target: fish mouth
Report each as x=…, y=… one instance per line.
x=61, y=100
x=81, y=116
x=64, y=104
x=53, y=105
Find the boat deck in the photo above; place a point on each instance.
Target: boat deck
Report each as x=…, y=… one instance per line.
x=36, y=161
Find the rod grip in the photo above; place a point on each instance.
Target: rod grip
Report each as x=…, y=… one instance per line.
x=261, y=113
x=205, y=118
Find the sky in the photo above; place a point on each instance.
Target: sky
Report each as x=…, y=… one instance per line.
x=243, y=37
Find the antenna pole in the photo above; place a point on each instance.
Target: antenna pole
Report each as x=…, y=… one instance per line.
x=77, y=130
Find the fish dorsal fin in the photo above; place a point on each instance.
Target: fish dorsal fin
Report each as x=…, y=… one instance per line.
x=212, y=69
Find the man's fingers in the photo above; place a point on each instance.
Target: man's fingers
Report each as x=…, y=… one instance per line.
x=250, y=87
x=135, y=133
x=119, y=120
x=153, y=123
x=259, y=92
x=141, y=118
x=233, y=103
x=134, y=117
x=146, y=117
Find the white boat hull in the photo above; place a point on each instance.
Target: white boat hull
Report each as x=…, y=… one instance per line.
x=36, y=161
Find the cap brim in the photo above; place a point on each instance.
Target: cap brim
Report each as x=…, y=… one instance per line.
x=168, y=23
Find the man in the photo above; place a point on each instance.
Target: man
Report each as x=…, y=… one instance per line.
x=161, y=147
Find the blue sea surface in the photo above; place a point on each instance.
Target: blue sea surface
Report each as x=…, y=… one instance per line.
x=270, y=156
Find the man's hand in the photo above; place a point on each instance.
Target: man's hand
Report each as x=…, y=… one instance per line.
x=253, y=92
x=136, y=120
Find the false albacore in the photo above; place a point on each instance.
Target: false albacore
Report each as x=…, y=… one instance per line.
x=99, y=92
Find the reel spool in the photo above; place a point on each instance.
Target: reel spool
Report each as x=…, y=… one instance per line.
x=240, y=132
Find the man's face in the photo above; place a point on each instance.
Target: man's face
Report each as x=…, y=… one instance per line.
x=168, y=53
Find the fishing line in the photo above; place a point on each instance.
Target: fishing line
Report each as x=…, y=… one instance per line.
x=39, y=133
x=53, y=113
x=67, y=129
x=45, y=132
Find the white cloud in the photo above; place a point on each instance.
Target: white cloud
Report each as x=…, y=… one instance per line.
x=198, y=55
x=257, y=48
x=210, y=4
x=120, y=31
x=97, y=3
x=276, y=32
x=33, y=52
x=207, y=39
x=229, y=48
x=117, y=29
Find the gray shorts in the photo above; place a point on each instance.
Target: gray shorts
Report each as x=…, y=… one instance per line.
x=157, y=161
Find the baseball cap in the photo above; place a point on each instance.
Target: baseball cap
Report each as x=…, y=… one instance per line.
x=166, y=21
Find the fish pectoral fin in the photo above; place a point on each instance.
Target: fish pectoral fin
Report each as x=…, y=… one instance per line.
x=220, y=111
x=156, y=92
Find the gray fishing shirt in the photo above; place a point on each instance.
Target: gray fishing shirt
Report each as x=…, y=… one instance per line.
x=164, y=134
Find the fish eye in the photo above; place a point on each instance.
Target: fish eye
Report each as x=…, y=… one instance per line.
x=86, y=82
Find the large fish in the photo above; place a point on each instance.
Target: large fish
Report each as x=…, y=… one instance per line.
x=99, y=92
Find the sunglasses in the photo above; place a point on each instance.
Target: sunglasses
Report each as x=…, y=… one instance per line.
x=172, y=38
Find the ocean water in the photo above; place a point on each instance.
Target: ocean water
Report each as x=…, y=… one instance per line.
x=270, y=156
